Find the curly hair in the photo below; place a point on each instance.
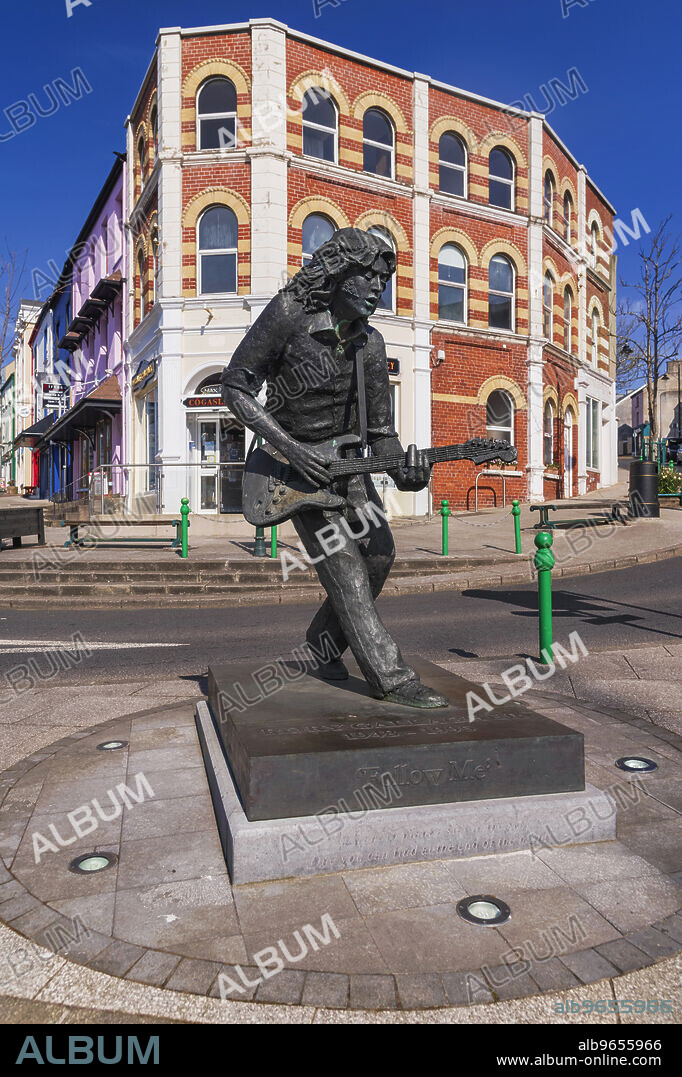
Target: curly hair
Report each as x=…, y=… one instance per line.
x=348, y=249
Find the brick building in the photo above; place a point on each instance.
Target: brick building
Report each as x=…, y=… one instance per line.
x=248, y=144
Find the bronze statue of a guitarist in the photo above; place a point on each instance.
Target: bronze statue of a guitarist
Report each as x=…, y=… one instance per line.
x=327, y=379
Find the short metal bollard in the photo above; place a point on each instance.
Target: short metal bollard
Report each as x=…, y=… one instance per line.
x=184, y=527
x=445, y=512
x=259, y=544
x=516, y=513
x=273, y=541
x=544, y=563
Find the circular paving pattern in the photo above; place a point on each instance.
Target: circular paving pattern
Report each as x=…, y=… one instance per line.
x=151, y=900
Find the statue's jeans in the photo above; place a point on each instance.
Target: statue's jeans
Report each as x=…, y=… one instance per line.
x=353, y=576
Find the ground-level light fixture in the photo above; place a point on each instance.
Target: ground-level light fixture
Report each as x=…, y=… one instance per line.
x=636, y=763
x=91, y=863
x=483, y=909
x=112, y=745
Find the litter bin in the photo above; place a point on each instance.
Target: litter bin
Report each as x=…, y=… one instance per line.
x=643, y=493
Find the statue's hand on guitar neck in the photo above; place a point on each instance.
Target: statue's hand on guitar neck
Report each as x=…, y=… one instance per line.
x=416, y=472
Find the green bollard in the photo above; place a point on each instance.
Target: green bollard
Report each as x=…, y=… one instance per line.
x=259, y=544
x=184, y=512
x=273, y=541
x=544, y=563
x=516, y=513
x=445, y=512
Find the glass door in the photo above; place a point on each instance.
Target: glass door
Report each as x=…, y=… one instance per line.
x=209, y=459
x=568, y=454
x=232, y=469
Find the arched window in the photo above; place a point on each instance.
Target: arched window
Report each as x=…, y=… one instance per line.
x=155, y=262
x=595, y=336
x=568, y=216
x=142, y=160
x=316, y=231
x=594, y=245
x=548, y=201
x=377, y=143
x=387, y=301
x=548, y=428
x=142, y=271
x=568, y=316
x=217, y=251
x=217, y=115
x=452, y=164
x=452, y=284
x=319, y=125
x=154, y=124
x=500, y=293
x=501, y=178
x=548, y=307
x=499, y=416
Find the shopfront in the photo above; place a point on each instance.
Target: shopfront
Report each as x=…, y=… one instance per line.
x=216, y=451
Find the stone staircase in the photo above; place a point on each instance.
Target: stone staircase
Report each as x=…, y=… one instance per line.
x=91, y=584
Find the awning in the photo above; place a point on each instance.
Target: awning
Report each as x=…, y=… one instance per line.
x=101, y=403
x=30, y=437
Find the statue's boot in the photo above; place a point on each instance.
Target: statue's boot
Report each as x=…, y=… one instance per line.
x=415, y=694
x=333, y=671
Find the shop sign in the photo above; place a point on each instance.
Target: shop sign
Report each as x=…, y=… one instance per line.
x=145, y=373
x=393, y=366
x=55, y=396
x=203, y=401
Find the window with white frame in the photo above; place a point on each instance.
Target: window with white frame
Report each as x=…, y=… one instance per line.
x=387, y=301
x=217, y=251
x=548, y=433
x=142, y=271
x=452, y=165
x=452, y=284
x=499, y=416
x=548, y=201
x=592, y=425
x=594, y=245
x=595, y=337
x=501, y=178
x=568, y=316
x=548, y=307
x=316, y=231
x=320, y=124
x=377, y=143
x=155, y=263
x=217, y=115
x=568, y=216
x=500, y=293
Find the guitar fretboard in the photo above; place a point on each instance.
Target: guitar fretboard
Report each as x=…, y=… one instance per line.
x=438, y=455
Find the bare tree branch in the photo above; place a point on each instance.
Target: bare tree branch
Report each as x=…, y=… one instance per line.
x=12, y=270
x=650, y=318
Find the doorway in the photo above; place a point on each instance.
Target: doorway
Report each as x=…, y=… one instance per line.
x=568, y=454
x=219, y=450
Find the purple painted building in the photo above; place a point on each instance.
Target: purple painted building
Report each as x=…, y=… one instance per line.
x=94, y=424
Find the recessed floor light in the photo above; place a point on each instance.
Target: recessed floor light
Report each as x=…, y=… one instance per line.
x=635, y=762
x=484, y=910
x=112, y=745
x=90, y=863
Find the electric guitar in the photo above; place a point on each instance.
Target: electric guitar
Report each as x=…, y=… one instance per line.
x=273, y=491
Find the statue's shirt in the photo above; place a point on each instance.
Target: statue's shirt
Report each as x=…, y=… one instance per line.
x=310, y=373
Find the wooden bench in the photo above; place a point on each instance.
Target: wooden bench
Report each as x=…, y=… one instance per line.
x=16, y=523
x=615, y=515
x=76, y=539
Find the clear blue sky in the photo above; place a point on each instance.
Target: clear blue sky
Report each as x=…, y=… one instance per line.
x=625, y=129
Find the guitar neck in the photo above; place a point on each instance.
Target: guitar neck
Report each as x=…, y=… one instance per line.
x=362, y=465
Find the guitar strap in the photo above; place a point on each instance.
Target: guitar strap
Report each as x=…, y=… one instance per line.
x=362, y=399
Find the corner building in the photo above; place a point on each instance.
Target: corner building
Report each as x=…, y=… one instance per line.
x=248, y=145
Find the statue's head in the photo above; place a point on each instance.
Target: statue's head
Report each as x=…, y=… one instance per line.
x=347, y=275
